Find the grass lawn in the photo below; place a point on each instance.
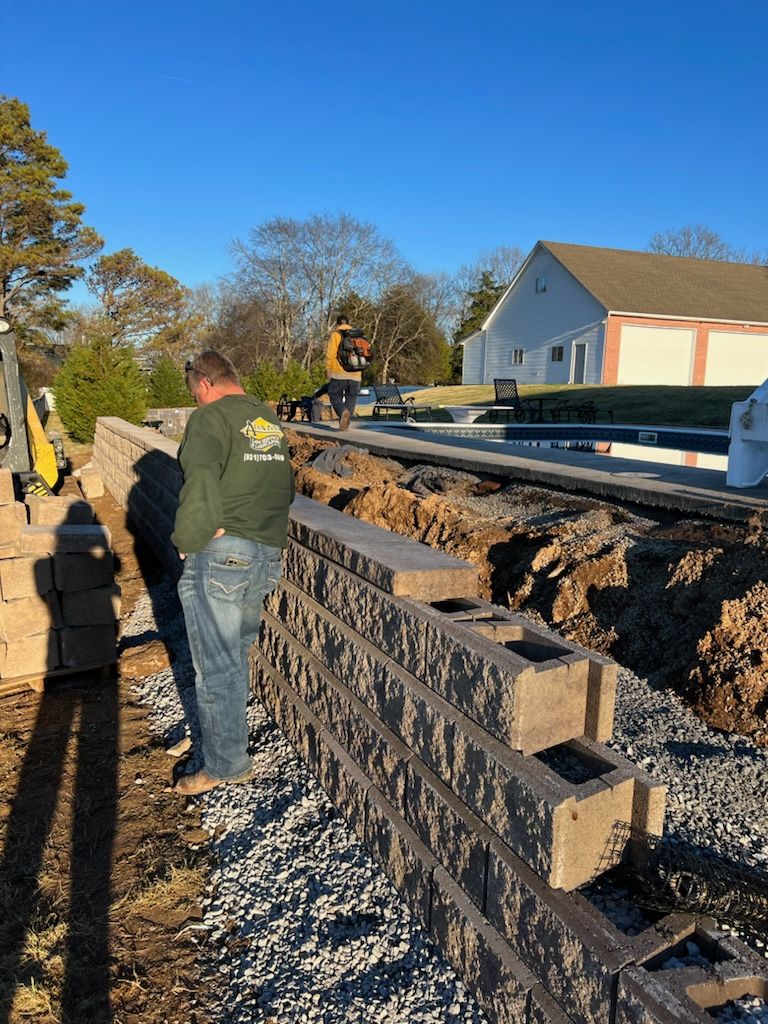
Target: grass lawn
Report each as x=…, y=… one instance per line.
x=649, y=404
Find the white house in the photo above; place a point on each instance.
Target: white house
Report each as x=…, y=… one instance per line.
x=582, y=315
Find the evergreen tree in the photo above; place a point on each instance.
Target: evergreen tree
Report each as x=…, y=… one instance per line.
x=98, y=379
x=168, y=386
x=479, y=303
x=42, y=237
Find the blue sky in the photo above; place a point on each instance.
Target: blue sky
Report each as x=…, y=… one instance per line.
x=453, y=126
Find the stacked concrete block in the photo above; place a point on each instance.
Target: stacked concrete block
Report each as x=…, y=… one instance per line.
x=13, y=515
x=140, y=470
x=464, y=746
x=59, y=604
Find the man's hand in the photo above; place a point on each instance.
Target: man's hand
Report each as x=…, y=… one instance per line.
x=219, y=533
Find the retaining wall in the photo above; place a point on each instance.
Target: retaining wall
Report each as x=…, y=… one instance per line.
x=463, y=745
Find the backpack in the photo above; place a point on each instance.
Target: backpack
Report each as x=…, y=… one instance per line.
x=355, y=353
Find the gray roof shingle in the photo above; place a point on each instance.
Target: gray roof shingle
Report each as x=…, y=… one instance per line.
x=643, y=282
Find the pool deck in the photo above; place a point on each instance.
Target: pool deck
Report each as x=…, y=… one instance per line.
x=674, y=488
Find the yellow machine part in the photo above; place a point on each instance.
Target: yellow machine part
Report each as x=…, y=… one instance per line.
x=41, y=451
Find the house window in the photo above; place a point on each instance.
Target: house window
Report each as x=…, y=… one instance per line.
x=557, y=353
x=541, y=285
x=518, y=355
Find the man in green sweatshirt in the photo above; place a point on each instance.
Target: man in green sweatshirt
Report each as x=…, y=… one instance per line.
x=231, y=525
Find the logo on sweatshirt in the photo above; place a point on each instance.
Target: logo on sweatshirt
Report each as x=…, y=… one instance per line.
x=262, y=435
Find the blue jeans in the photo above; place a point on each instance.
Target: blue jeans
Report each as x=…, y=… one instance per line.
x=343, y=395
x=222, y=591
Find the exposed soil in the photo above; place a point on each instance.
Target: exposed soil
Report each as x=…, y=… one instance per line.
x=679, y=600
x=102, y=869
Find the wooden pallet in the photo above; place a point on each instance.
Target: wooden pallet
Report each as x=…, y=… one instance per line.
x=38, y=681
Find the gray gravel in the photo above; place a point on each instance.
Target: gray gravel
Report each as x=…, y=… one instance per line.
x=300, y=925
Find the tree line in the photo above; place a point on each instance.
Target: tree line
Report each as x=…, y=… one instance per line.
x=271, y=314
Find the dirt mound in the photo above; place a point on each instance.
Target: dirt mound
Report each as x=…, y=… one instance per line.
x=680, y=601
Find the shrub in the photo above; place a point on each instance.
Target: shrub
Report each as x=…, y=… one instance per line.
x=168, y=386
x=265, y=383
x=98, y=379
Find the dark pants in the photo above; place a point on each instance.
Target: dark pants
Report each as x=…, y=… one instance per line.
x=343, y=395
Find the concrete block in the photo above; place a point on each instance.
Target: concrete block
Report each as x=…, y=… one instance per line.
x=485, y=962
x=12, y=517
x=544, y=1010
x=291, y=714
x=80, y=570
x=7, y=492
x=395, y=625
x=502, y=626
x=12, y=550
x=33, y=654
x=99, y=606
x=370, y=744
x=29, y=616
x=392, y=563
x=40, y=540
x=417, y=715
x=657, y=990
x=91, y=483
x=348, y=656
x=575, y=952
x=531, y=696
x=25, y=576
x=56, y=511
x=406, y=860
x=346, y=785
x=558, y=813
x=449, y=829
x=83, y=646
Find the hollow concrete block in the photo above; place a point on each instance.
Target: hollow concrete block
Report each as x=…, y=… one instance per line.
x=395, y=564
x=486, y=963
x=565, y=830
x=574, y=951
x=528, y=704
x=407, y=862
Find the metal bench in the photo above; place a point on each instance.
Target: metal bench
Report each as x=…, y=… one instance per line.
x=389, y=399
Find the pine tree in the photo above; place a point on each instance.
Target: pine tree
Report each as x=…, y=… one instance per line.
x=168, y=386
x=42, y=235
x=478, y=304
x=98, y=379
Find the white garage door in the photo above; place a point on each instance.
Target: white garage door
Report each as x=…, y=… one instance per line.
x=655, y=355
x=734, y=357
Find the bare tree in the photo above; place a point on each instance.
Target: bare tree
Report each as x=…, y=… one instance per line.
x=699, y=242
x=502, y=263
x=299, y=271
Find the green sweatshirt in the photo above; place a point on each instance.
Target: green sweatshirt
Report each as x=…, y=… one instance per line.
x=237, y=475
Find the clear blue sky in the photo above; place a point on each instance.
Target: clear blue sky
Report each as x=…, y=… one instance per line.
x=453, y=126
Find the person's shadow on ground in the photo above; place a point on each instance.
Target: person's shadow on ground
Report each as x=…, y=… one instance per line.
x=56, y=791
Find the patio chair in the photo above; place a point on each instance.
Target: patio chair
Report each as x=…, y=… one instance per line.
x=506, y=395
x=389, y=399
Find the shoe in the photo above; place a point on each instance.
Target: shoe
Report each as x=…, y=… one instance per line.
x=201, y=782
x=184, y=744
x=344, y=420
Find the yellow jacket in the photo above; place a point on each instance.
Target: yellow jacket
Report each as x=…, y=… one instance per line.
x=333, y=368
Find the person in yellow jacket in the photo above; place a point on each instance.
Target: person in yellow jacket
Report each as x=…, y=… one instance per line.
x=343, y=385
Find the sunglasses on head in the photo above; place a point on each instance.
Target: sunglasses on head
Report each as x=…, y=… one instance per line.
x=190, y=366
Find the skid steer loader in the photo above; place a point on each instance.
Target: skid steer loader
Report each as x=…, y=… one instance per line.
x=33, y=458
